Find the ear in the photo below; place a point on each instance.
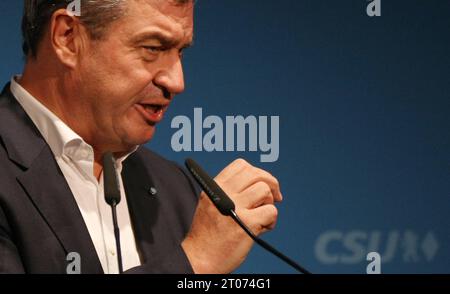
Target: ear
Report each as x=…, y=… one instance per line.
x=66, y=37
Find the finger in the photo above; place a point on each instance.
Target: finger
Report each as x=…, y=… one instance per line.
x=252, y=175
x=264, y=218
x=273, y=184
x=232, y=169
x=255, y=196
x=239, y=175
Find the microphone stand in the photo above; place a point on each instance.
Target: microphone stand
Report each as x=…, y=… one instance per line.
x=112, y=197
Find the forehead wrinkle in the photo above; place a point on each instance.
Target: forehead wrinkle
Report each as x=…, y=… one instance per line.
x=174, y=27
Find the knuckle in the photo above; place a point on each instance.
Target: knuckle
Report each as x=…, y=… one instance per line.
x=267, y=175
x=276, y=182
x=240, y=163
x=260, y=172
x=264, y=188
x=273, y=211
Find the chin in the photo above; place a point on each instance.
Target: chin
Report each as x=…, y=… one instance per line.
x=141, y=138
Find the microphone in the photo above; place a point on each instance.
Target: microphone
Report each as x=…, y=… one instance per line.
x=226, y=207
x=112, y=197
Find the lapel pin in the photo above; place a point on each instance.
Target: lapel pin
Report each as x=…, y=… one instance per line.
x=152, y=191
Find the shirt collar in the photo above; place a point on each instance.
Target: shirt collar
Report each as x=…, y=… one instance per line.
x=58, y=135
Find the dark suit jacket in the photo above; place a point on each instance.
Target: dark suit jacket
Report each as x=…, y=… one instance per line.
x=40, y=222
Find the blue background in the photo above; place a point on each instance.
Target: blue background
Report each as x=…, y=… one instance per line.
x=364, y=106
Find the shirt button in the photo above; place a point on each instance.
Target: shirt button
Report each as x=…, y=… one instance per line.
x=112, y=252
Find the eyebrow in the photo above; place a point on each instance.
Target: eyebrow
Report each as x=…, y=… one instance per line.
x=164, y=39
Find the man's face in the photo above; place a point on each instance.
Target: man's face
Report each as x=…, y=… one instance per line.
x=127, y=80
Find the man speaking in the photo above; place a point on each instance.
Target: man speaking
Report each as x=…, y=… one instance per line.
x=100, y=82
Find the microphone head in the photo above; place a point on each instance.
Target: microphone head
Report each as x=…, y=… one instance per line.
x=110, y=180
x=220, y=199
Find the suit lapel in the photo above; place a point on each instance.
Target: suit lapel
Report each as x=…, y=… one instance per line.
x=50, y=193
x=44, y=182
x=143, y=207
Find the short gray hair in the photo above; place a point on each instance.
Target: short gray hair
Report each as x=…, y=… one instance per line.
x=96, y=15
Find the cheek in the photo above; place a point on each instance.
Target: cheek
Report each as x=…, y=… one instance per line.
x=132, y=128
x=129, y=73
x=114, y=83
x=128, y=89
x=120, y=74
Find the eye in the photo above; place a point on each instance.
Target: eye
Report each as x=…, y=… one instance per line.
x=153, y=49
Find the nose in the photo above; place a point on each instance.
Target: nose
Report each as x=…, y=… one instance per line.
x=170, y=76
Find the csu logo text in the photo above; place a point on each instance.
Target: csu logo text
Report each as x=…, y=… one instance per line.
x=337, y=247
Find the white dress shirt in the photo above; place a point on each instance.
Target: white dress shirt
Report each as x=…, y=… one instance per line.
x=76, y=159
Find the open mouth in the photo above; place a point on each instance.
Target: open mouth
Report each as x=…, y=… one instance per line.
x=152, y=108
x=152, y=113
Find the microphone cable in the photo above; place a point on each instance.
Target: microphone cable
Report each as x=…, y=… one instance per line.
x=226, y=207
